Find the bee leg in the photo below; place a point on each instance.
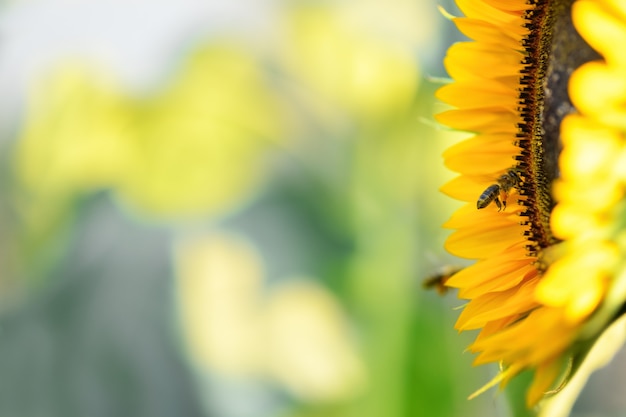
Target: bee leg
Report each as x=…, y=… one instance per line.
x=499, y=204
x=503, y=197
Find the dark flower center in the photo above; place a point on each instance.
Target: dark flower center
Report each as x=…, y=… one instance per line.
x=553, y=50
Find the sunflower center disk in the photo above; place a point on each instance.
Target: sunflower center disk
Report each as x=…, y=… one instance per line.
x=553, y=50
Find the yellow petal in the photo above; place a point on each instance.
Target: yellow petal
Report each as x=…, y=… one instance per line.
x=472, y=96
x=465, y=244
x=596, y=24
x=545, y=376
x=495, y=306
x=598, y=91
x=485, y=32
x=485, y=11
x=470, y=60
x=496, y=120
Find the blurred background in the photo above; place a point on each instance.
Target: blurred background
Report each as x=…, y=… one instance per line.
x=227, y=209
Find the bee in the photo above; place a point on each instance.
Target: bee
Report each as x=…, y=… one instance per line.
x=438, y=280
x=499, y=191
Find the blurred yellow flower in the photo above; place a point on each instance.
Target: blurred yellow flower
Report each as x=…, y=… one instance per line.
x=77, y=135
x=548, y=276
x=309, y=350
x=294, y=332
x=354, y=70
x=195, y=148
x=220, y=280
x=201, y=142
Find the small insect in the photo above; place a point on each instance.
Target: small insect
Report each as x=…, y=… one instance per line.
x=438, y=280
x=499, y=191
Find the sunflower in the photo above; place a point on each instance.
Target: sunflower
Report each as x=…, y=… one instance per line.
x=543, y=88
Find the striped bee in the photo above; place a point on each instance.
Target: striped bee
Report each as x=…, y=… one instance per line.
x=438, y=280
x=499, y=191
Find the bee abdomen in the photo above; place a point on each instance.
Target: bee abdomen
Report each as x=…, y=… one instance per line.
x=490, y=194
